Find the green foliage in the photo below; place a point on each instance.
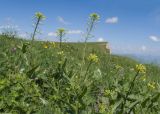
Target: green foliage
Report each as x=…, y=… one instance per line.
x=42, y=78
x=35, y=79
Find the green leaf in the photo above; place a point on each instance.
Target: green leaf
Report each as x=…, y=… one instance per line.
x=24, y=47
x=116, y=109
x=132, y=106
x=84, y=91
x=45, y=102
x=32, y=71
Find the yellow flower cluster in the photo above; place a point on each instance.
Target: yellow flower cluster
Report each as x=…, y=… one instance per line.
x=143, y=78
x=60, y=62
x=51, y=44
x=118, y=67
x=102, y=108
x=94, y=16
x=60, y=53
x=45, y=46
x=93, y=58
x=140, y=68
x=39, y=15
x=152, y=85
x=107, y=92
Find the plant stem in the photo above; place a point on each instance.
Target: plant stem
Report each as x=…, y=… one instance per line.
x=35, y=30
x=86, y=38
x=60, y=41
x=85, y=76
x=130, y=90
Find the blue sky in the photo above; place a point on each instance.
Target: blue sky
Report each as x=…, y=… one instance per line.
x=130, y=26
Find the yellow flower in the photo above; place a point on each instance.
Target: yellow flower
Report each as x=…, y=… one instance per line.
x=132, y=69
x=60, y=53
x=53, y=44
x=94, y=16
x=39, y=15
x=152, y=85
x=143, y=78
x=60, y=62
x=118, y=67
x=140, y=68
x=45, y=46
x=102, y=108
x=93, y=58
x=107, y=92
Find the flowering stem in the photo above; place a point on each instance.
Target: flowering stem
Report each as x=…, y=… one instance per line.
x=132, y=84
x=86, y=38
x=85, y=76
x=60, y=42
x=60, y=34
x=130, y=90
x=35, y=30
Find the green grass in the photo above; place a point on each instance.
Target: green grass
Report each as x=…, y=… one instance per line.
x=34, y=79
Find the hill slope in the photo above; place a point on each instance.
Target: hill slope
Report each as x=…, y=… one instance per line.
x=40, y=77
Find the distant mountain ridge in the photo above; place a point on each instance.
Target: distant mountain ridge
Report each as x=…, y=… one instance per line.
x=148, y=59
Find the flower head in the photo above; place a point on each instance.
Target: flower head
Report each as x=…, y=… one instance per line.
x=93, y=58
x=60, y=32
x=143, y=78
x=118, y=67
x=102, y=108
x=107, y=92
x=60, y=62
x=45, y=46
x=60, y=53
x=151, y=85
x=39, y=15
x=94, y=17
x=53, y=44
x=140, y=68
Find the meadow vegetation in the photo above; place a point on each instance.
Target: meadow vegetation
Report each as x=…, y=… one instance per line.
x=42, y=77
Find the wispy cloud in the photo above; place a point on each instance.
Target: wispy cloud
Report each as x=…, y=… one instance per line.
x=132, y=49
x=10, y=27
x=74, y=32
x=143, y=48
x=23, y=35
x=9, y=24
x=70, y=32
x=154, y=38
x=52, y=34
x=61, y=20
x=112, y=20
x=100, y=39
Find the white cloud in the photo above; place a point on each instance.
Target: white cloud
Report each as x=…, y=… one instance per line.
x=100, y=39
x=154, y=38
x=112, y=20
x=61, y=20
x=16, y=27
x=23, y=35
x=75, y=32
x=52, y=34
x=68, y=32
x=143, y=48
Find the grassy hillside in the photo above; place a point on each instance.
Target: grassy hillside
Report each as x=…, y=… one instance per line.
x=39, y=77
